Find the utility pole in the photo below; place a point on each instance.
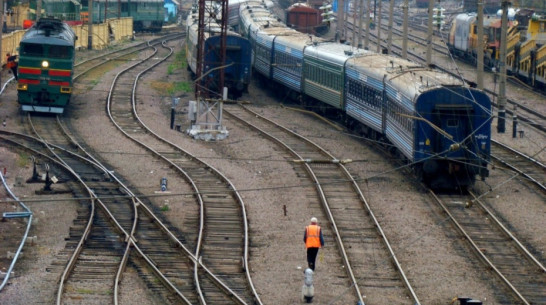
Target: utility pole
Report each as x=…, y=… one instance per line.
x=341, y=20
x=479, y=60
x=429, y=33
x=502, y=63
x=360, y=7
x=405, y=30
x=38, y=9
x=367, y=40
x=389, y=40
x=209, y=104
x=378, y=25
x=90, y=26
x=355, y=31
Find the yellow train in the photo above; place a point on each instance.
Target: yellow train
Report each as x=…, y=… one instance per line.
x=526, y=47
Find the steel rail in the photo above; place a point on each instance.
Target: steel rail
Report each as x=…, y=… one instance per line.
x=325, y=205
x=235, y=192
x=477, y=249
x=75, y=255
x=219, y=282
x=113, y=219
x=23, y=240
x=507, y=232
x=528, y=158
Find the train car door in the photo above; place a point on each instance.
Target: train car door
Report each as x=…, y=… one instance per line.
x=454, y=121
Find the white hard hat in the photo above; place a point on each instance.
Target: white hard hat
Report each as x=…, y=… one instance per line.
x=314, y=220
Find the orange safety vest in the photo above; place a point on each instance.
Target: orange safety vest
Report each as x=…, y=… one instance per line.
x=313, y=236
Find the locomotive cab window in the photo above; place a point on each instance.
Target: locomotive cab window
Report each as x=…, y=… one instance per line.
x=32, y=49
x=63, y=52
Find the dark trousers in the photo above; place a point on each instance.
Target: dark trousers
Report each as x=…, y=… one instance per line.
x=14, y=70
x=311, y=257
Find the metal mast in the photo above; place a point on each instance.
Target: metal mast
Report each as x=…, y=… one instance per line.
x=208, y=14
x=209, y=88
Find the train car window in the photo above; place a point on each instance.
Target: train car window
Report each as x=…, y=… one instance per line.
x=62, y=52
x=31, y=49
x=452, y=123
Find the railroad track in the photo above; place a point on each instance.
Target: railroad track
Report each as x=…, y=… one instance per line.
x=86, y=66
x=94, y=281
x=54, y=154
x=526, y=166
x=523, y=276
x=356, y=229
x=221, y=240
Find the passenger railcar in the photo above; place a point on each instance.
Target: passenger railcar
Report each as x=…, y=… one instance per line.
x=441, y=126
x=237, y=71
x=46, y=61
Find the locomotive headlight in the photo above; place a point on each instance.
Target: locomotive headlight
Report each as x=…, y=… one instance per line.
x=45, y=64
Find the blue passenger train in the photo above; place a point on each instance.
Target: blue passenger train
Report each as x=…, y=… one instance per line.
x=237, y=67
x=439, y=124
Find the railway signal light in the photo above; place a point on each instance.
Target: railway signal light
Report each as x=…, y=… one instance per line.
x=438, y=17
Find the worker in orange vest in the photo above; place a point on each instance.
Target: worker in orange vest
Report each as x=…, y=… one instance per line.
x=313, y=242
x=12, y=64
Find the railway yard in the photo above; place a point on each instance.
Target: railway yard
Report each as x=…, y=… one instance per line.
x=228, y=228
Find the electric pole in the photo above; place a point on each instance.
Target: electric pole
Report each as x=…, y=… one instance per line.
x=367, y=40
x=208, y=103
x=360, y=7
x=502, y=63
x=429, y=33
x=38, y=9
x=341, y=20
x=405, y=30
x=90, y=26
x=479, y=60
x=389, y=40
x=378, y=25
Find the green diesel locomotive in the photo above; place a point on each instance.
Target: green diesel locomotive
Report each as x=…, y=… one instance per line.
x=46, y=63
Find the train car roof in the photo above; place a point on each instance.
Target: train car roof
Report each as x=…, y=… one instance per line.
x=297, y=40
x=410, y=78
x=211, y=27
x=334, y=51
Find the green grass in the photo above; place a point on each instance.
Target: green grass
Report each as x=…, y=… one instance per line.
x=180, y=87
x=179, y=62
x=23, y=159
